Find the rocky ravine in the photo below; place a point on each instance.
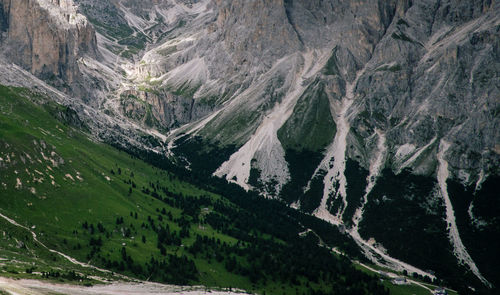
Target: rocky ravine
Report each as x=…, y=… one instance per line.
x=330, y=104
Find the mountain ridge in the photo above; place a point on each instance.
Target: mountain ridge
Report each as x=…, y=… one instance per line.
x=408, y=86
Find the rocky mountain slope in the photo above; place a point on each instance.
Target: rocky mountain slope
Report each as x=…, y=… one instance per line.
x=360, y=113
x=48, y=38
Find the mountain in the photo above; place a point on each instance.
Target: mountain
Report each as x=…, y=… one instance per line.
x=74, y=210
x=379, y=117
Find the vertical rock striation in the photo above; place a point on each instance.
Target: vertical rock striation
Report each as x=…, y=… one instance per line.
x=47, y=38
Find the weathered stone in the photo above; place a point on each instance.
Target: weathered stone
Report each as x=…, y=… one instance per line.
x=47, y=38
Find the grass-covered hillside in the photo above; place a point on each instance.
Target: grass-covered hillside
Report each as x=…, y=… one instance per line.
x=116, y=217
x=106, y=208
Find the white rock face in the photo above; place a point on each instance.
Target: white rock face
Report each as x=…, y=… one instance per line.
x=216, y=59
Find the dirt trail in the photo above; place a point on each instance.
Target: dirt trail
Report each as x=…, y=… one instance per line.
x=67, y=257
x=35, y=287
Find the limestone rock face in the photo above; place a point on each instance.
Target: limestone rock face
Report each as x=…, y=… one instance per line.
x=161, y=109
x=426, y=70
x=433, y=76
x=417, y=72
x=47, y=38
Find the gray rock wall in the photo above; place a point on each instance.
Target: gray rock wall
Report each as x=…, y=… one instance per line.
x=47, y=38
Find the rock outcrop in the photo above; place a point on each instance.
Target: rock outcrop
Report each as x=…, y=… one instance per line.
x=47, y=38
x=418, y=72
x=161, y=109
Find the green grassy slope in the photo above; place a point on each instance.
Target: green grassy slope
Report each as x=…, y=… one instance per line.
x=109, y=209
x=106, y=208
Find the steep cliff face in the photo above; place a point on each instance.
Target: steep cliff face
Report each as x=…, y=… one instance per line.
x=47, y=38
x=404, y=55
x=432, y=77
x=161, y=109
x=426, y=70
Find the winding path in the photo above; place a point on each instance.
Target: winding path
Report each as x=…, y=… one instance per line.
x=69, y=258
